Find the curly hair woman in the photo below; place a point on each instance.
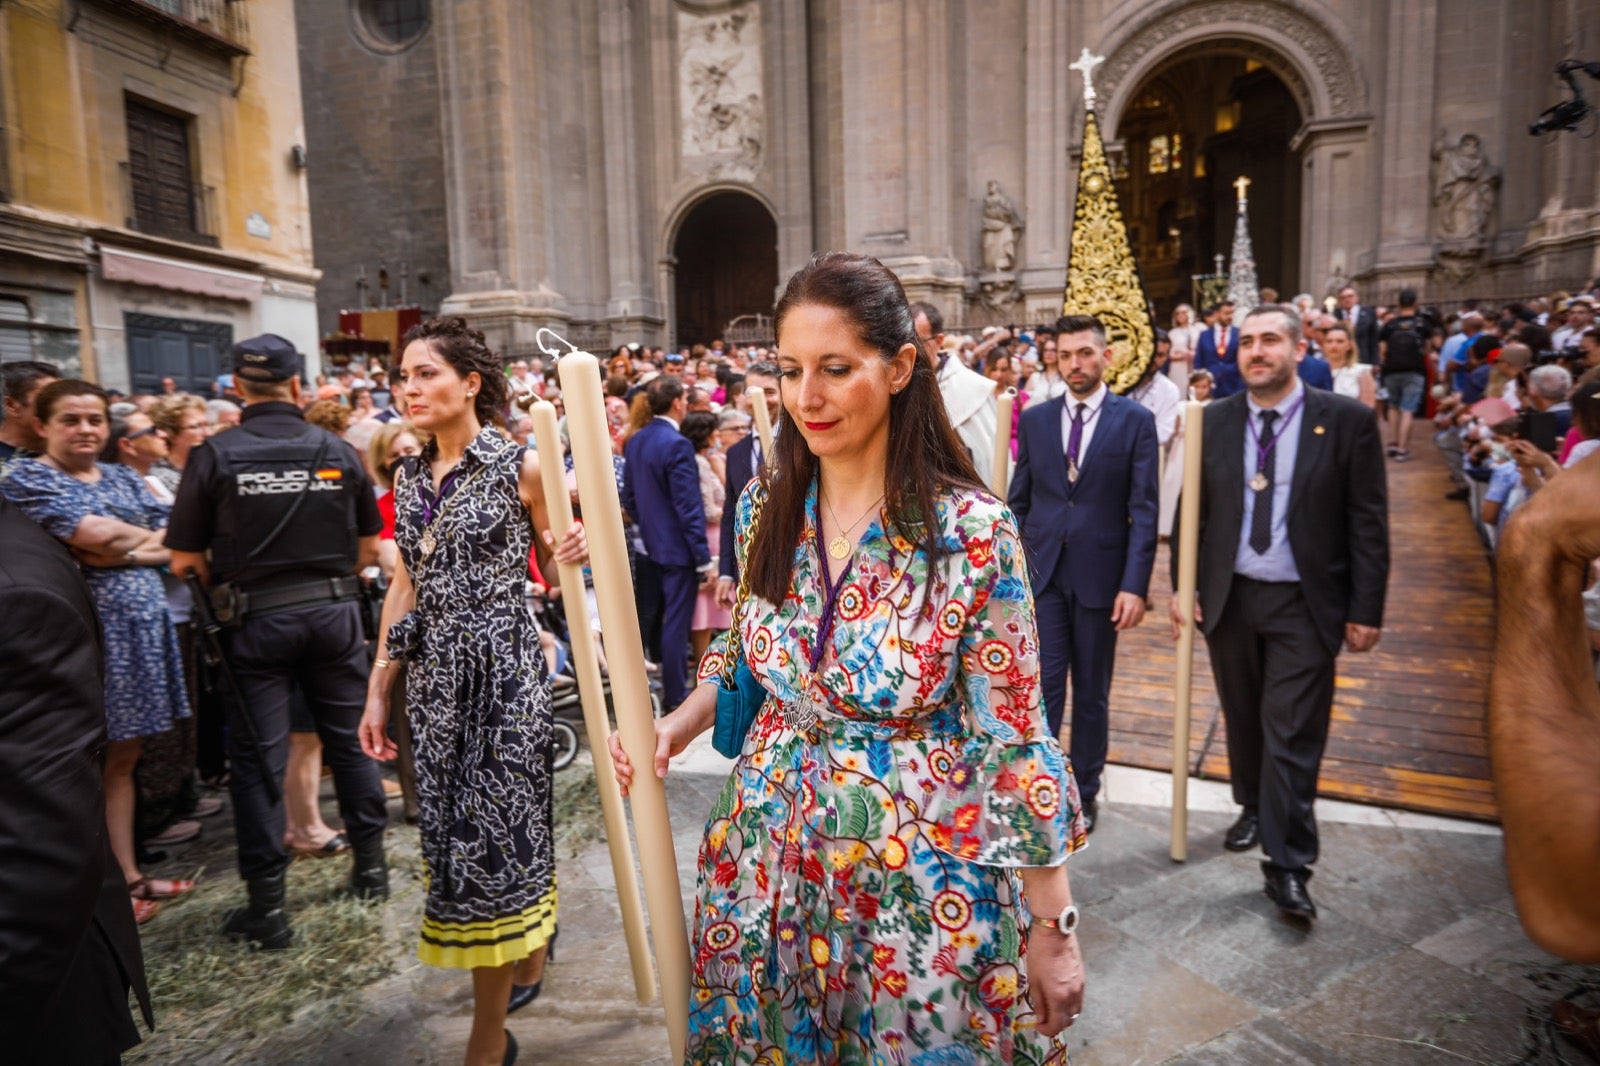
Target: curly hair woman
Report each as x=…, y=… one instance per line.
x=468, y=510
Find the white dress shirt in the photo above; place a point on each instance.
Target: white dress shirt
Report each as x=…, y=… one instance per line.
x=1091, y=415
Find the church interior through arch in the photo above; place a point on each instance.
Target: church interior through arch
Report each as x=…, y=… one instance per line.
x=727, y=265
x=1192, y=128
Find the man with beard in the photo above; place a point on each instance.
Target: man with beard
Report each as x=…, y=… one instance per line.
x=1085, y=494
x=1294, y=562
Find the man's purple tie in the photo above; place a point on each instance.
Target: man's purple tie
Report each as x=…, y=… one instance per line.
x=1075, y=440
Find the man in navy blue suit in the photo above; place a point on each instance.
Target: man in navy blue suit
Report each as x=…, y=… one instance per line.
x=1085, y=495
x=743, y=464
x=1217, y=350
x=661, y=490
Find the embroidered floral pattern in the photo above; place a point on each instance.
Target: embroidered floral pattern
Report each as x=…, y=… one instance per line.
x=858, y=899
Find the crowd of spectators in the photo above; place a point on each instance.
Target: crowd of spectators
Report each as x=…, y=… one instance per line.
x=1512, y=391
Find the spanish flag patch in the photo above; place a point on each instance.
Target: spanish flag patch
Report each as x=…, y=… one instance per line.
x=331, y=474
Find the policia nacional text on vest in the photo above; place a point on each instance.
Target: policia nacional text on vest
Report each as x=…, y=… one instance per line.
x=285, y=512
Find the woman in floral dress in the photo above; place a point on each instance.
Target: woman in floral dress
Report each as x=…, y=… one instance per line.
x=867, y=875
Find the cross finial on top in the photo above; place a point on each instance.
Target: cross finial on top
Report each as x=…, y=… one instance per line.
x=1085, y=65
x=1240, y=186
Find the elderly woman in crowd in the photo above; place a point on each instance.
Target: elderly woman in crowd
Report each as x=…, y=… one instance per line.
x=112, y=522
x=183, y=418
x=894, y=834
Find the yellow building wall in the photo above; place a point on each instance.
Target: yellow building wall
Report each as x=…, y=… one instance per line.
x=65, y=92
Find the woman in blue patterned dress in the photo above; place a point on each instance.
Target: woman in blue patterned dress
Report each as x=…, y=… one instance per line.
x=467, y=513
x=882, y=880
x=112, y=522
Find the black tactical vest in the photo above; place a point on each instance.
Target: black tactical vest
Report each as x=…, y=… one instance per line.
x=286, y=509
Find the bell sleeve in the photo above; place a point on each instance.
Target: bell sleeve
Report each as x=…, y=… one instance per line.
x=1007, y=797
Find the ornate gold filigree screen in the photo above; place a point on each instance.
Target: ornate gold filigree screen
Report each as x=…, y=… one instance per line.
x=1102, y=274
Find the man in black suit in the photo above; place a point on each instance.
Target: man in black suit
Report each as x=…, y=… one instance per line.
x=1363, y=322
x=744, y=461
x=69, y=950
x=1294, y=562
x=1085, y=496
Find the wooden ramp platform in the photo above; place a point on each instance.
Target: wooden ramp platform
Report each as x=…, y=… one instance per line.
x=1408, y=718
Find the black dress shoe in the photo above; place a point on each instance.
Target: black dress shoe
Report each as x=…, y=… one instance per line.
x=511, y=1050
x=1091, y=814
x=1287, y=889
x=522, y=995
x=1245, y=833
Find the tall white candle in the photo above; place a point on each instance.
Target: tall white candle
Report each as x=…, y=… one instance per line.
x=1188, y=549
x=630, y=690
x=592, y=690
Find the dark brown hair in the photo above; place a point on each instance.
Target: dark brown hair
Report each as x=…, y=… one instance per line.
x=926, y=457
x=44, y=404
x=451, y=339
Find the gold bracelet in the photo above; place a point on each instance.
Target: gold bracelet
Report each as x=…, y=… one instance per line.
x=381, y=664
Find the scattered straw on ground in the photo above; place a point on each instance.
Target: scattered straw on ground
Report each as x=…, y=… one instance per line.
x=218, y=1002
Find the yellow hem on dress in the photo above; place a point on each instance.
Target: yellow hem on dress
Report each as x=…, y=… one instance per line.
x=494, y=942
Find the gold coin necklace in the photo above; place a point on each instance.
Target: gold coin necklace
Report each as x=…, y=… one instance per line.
x=839, y=547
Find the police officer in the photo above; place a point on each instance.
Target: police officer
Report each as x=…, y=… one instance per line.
x=278, y=516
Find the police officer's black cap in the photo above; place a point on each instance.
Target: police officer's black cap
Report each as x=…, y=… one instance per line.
x=268, y=357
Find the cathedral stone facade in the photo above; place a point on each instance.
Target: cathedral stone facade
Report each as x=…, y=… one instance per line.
x=649, y=169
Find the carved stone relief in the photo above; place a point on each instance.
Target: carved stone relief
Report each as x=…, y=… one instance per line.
x=721, y=109
x=1283, y=19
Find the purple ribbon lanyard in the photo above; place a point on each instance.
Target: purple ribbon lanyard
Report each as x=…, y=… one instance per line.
x=825, y=624
x=1264, y=448
x=438, y=498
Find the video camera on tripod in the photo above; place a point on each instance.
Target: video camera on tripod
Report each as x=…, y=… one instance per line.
x=1568, y=113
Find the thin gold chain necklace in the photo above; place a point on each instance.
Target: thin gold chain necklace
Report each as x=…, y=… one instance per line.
x=839, y=547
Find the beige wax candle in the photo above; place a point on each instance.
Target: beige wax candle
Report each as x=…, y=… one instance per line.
x=630, y=690
x=592, y=690
x=1188, y=549
x=758, y=411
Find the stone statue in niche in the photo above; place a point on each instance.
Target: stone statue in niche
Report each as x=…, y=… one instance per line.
x=1002, y=225
x=720, y=87
x=1465, y=187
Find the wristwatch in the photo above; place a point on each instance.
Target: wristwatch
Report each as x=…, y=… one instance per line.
x=1065, y=923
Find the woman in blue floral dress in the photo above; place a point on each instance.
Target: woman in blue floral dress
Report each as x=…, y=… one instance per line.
x=882, y=880
x=112, y=521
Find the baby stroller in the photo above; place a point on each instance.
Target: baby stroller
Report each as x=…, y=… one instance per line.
x=569, y=727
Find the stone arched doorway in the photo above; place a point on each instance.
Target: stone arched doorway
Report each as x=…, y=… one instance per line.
x=725, y=265
x=1281, y=58
x=1194, y=125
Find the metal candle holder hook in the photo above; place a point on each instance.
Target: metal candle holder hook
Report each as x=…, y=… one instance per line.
x=538, y=338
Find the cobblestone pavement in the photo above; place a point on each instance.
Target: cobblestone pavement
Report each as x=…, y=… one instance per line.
x=1417, y=958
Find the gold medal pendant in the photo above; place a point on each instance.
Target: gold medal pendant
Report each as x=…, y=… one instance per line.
x=839, y=547
x=427, y=544
x=1259, y=482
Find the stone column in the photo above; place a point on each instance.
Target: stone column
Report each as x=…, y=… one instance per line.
x=494, y=181
x=1334, y=155
x=633, y=309
x=788, y=156
x=1405, y=244
x=1054, y=112
x=896, y=143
